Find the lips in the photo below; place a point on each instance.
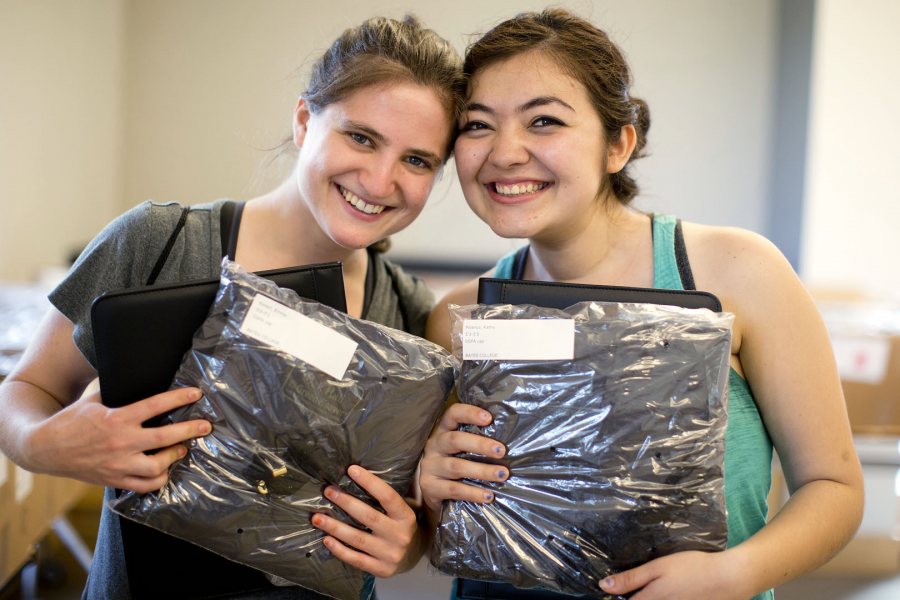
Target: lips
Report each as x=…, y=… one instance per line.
x=360, y=204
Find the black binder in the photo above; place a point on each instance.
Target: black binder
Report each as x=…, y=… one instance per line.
x=141, y=334
x=561, y=295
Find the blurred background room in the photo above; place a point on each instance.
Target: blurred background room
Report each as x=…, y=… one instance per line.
x=778, y=116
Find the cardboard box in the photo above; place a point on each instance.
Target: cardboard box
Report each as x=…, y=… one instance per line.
x=873, y=403
x=865, y=337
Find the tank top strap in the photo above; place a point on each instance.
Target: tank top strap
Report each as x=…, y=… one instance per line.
x=665, y=265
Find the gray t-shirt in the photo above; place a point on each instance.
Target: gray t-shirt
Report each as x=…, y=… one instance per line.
x=125, y=251
x=122, y=256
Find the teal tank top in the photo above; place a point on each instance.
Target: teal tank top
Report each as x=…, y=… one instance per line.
x=748, y=449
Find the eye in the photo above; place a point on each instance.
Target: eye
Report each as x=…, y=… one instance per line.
x=419, y=162
x=545, y=121
x=473, y=126
x=359, y=138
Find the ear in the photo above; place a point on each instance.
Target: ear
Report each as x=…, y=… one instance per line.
x=619, y=151
x=301, y=122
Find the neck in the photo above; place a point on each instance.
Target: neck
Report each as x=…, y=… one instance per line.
x=613, y=246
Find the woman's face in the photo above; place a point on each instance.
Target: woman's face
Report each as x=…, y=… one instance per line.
x=367, y=162
x=531, y=152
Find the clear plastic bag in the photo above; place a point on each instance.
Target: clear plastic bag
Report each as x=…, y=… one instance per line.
x=615, y=456
x=284, y=429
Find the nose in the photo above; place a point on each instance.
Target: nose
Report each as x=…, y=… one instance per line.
x=509, y=148
x=379, y=178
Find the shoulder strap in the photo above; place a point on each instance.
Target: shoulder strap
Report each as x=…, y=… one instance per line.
x=164, y=255
x=681, y=259
x=229, y=226
x=518, y=267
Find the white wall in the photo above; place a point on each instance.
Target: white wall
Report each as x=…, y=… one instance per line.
x=60, y=128
x=852, y=208
x=207, y=85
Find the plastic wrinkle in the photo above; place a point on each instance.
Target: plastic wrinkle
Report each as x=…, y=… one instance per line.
x=616, y=457
x=284, y=430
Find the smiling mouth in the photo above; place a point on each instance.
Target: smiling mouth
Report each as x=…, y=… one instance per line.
x=518, y=189
x=360, y=204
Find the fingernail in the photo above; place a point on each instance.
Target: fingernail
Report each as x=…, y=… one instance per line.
x=501, y=473
x=498, y=450
x=486, y=417
x=204, y=428
x=316, y=520
x=195, y=394
x=327, y=542
x=609, y=582
x=488, y=496
x=182, y=452
x=354, y=471
x=331, y=493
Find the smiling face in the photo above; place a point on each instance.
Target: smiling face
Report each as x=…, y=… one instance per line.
x=531, y=153
x=368, y=162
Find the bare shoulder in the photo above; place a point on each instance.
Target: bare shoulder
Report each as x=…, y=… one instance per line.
x=438, y=328
x=746, y=271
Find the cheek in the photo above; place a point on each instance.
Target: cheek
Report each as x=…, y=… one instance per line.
x=468, y=157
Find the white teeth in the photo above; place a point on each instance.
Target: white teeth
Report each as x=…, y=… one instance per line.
x=515, y=190
x=359, y=203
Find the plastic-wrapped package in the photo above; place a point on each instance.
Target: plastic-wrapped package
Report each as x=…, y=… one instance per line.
x=284, y=429
x=615, y=455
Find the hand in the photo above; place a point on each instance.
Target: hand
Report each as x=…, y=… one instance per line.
x=392, y=544
x=685, y=575
x=106, y=446
x=441, y=470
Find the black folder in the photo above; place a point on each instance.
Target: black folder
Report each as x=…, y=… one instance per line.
x=141, y=334
x=549, y=294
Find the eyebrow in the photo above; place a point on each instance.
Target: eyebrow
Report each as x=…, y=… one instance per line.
x=533, y=103
x=378, y=137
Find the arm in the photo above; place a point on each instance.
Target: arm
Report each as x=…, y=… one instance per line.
x=46, y=427
x=785, y=354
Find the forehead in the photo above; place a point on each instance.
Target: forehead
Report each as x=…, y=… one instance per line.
x=529, y=74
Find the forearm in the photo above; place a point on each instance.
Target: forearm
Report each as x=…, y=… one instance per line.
x=23, y=409
x=797, y=539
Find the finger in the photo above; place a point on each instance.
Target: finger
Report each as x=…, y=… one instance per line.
x=159, y=462
x=142, y=485
x=161, y=403
x=444, y=489
x=353, y=537
x=152, y=438
x=454, y=442
x=394, y=504
x=357, y=559
x=628, y=581
x=463, y=414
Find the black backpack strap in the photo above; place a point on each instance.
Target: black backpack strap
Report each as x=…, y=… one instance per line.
x=229, y=226
x=518, y=266
x=681, y=259
x=164, y=255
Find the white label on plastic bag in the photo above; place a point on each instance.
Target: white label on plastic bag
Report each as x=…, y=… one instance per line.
x=277, y=325
x=861, y=359
x=24, y=484
x=518, y=339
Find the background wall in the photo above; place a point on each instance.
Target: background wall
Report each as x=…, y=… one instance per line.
x=104, y=103
x=853, y=178
x=180, y=100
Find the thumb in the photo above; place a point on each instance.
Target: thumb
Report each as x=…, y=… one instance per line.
x=627, y=581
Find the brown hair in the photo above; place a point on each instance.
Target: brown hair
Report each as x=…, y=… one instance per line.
x=590, y=57
x=382, y=50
